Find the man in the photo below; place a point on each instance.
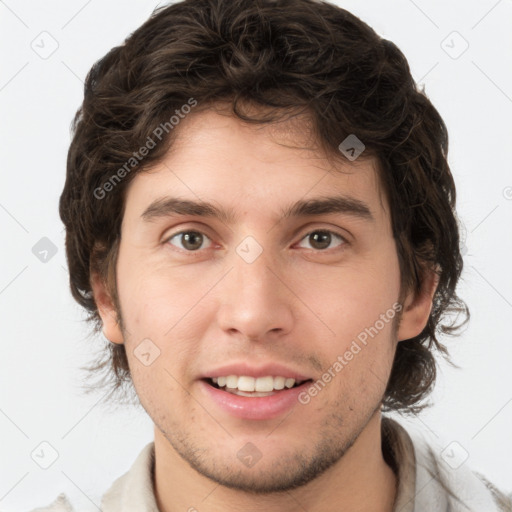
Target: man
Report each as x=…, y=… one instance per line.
x=260, y=218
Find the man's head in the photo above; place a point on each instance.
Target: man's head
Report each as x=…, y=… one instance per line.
x=300, y=77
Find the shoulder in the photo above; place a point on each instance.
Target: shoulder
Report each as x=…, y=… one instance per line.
x=503, y=501
x=134, y=487
x=61, y=504
x=444, y=478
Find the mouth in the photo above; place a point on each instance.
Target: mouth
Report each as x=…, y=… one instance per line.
x=255, y=388
x=250, y=393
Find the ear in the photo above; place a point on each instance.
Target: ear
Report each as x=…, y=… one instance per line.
x=106, y=310
x=417, y=307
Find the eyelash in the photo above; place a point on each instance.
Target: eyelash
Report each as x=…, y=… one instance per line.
x=336, y=235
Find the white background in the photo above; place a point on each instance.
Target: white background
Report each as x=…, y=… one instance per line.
x=44, y=338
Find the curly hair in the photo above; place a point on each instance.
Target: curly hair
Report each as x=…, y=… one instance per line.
x=287, y=57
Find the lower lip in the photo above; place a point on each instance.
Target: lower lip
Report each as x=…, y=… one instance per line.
x=257, y=408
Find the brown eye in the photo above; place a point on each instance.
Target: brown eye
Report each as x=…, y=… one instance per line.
x=322, y=239
x=190, y=240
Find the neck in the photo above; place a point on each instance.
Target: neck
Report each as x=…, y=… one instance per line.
x=360, y=481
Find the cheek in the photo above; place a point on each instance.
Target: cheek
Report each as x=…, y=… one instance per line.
x=359, y=368
x=358, y=304
x=150, y=300
x=351, y=298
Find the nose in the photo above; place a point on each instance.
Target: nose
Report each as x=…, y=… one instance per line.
x=255, y=300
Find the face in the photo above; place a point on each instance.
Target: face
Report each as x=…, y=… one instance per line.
x=253, y=292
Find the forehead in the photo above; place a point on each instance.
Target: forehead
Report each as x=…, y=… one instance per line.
x=216, y=156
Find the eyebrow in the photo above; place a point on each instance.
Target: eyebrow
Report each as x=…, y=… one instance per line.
x=171, y=206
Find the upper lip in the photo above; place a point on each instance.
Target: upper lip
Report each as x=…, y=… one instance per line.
x=272, y=369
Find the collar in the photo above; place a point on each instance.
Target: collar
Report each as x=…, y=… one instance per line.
x=134, y=490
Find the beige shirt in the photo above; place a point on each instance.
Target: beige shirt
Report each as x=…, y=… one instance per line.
x=426, y=483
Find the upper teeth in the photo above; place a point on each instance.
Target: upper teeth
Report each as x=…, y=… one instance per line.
x=245, y=383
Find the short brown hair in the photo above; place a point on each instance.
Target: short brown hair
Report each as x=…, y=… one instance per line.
x=288, y=57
